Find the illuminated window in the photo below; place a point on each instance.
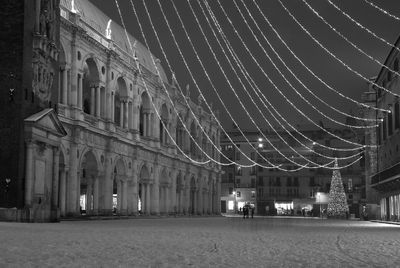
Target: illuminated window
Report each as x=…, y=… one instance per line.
x=238, y=194
x=230, y=205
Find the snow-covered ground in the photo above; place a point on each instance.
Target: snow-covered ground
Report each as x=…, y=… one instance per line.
x=200, y=242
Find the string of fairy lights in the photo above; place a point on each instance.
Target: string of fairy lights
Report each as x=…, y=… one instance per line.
x=308, y=68
x=255, y=88
x=348, y=41
x=251, y=83
x=246, y=75
x=188, y=105
x=333, y=55
x=280, y=92
x=199, y=90
x=235, y=92
x=292, y=73
x=296, y=77
x=382, y=10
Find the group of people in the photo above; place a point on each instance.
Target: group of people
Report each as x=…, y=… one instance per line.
x=247, y=210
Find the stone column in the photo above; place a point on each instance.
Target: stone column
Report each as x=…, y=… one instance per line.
x=62, y=195
x=156, y=208
x=98, y=97
x=124, y=197
x=121, y=114
x=112, y=107
x=80, y=91
x=119, y=195
x=167, y=200
x=56, y=173
x=92, y=99
x=148, y=207
x=65, y=86
x=29, y=179
x=96, y=196
x=72, y=180
x=89, y=197
x=37, y=17
x=126, y=115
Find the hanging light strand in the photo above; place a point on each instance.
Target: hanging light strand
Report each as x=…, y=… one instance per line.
x=235, y=57
x=205, y=71
x=362, y=26
x=252, y=82
x=309, y=69
x=148, y=91
x=333, y=55
x=266, y=75
x=155, y=31
x=382, y=10
x=295, y=76
x=289, y=69
x=348, y=41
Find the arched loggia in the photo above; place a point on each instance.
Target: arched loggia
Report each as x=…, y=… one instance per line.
x=88, y=184
x=144, y=195
x=89, y=98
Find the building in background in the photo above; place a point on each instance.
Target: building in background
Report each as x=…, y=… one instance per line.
x=84, y=135
x=383, y=161
x=280, y=192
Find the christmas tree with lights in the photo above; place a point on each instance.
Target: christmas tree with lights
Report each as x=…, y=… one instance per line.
x=337, y=206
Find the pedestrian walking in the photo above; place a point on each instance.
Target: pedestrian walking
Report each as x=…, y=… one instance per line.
x=244, y=212
x=252, y=212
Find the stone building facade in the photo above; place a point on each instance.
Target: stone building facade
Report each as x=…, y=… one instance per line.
x=287, y=193
x=383, y=160
x=105, y=147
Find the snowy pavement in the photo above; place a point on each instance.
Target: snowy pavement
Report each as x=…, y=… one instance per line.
x=200, y=242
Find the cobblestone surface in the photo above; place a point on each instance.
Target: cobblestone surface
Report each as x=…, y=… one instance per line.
x=200, y=242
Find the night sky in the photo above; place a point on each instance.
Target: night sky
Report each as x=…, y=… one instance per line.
x=312, y=55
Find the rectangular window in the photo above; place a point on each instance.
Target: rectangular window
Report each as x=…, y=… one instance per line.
x=238, y=194
x=278, y=181
x=230, y=190
x=237, y=182
x=253, y=183
x=390, y=123
x=230, y=205
x=253, y=194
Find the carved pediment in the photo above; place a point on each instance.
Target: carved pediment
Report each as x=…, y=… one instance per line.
x=48, y=121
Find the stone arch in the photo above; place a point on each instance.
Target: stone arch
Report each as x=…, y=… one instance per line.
x=164, y=123
x=193, y=195
x=179, y=191
x=120, y=100
x=193, y=133
x=119, y=182
x=144, y=193
x=90, y=82
x=164, y=192
x=145, y=115
x=62, y=181
x=89, y=169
